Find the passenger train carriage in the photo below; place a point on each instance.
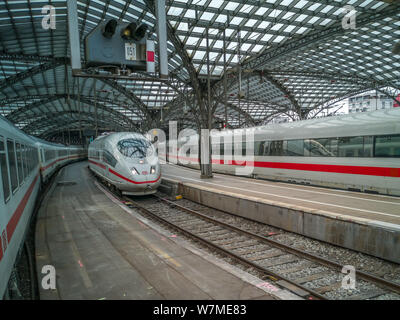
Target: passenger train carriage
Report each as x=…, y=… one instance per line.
x=25, y=163
x=357, y=152
x=127, y=161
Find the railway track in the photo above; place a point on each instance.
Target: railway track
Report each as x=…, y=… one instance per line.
x=316, y=277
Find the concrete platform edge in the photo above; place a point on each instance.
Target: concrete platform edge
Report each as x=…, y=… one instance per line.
x=371, y=237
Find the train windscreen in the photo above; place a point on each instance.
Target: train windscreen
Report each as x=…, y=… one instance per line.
x=135, y=148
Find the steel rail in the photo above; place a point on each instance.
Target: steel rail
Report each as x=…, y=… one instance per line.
x=270, y=274
x=329, y=263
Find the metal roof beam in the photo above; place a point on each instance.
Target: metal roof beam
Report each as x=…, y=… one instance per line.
x=21, y=113
x=62, y=117
x=129, y=94
x=4, y=55
x=31, y=72
x=70, y=127
x=316, y=36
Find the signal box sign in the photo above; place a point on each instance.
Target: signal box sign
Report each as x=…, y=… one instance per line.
x=130, y=51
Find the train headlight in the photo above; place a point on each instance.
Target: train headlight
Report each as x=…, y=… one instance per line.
x=134, y=171
x=153, y=170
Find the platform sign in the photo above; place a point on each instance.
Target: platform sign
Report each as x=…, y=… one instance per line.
x=130, y=51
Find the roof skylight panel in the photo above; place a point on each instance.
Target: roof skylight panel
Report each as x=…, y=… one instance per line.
x=313, y=20
x=208, y=16
x=245, y=46
x=325, y=22
x=277, y=26
x=219, y=44
x=192, y=41
x=199, y=29
x=236, y=20
x=263, y=25
x=301, y=4
x=257, y=48
x=289, y=28
x=221, y=18
x=183, y=26
x=173, y=11
x=302, y=30
x=301, y=18
x=278, y=39
x=199, y=55
x=231, y=6
x=251, y=23
x=327, y=8
x=284, y=2
x=246, y=8
x=261, y=11
x=190, y=13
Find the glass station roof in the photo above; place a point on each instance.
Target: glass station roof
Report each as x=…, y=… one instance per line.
x=290, y=58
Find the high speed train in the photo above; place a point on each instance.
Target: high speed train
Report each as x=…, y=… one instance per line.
x=127, y=161
x=25, y=164
x=359, y=152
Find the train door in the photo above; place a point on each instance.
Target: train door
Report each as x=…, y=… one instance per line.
x=42, y=159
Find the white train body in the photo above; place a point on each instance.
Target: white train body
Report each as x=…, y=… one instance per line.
x=127, y=161
x=23, y=168
x=357, y=152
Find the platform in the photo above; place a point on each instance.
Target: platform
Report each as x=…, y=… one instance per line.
x=103, y=250
x=363, y=222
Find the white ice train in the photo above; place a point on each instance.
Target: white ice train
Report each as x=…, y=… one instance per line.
x=25, y=163
x=127, y=161
x=358, y=152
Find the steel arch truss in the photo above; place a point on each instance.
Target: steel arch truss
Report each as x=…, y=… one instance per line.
x=295, y=57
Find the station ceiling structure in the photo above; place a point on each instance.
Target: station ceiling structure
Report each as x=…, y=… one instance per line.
x=252, y=60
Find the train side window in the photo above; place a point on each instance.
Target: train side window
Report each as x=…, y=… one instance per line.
x=109, y=158
x=31, y=160
x=295, y=148
x=4, y=171
x=221, y=149
x=26, y=161
x=284, y=148
x=36, y=156
x=276, y=148
x=321, y=147
x=258, y=148
x=20, y=163
x=387, y=146
x=12, y=163
x=368, y=146
x=266, y=148
x=334, y=145
x=351, y=147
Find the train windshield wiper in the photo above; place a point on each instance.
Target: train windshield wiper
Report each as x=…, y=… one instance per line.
x=135, y=148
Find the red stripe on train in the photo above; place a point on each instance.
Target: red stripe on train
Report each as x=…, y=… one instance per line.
x=49, y=165
x=359, y=170
x=12, y=224
x=98, y=164
x=131, y=181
